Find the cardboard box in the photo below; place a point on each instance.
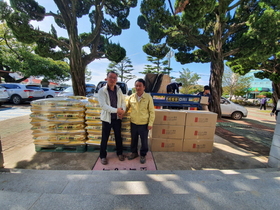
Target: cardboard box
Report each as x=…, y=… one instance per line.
x=198, y=132
x=204, y=100
x=168, y=131
x=169, y=117
x=198, y=146
x=166, y=145
x=201, y=118
x=164, y=82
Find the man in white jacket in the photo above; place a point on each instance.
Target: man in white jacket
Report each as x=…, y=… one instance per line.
x=112, y=102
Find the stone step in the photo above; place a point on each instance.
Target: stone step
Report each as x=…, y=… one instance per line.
x=208, y=189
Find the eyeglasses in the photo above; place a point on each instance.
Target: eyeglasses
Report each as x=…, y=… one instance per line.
x=112, y=77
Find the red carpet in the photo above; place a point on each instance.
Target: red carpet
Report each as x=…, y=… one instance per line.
x=135, y=165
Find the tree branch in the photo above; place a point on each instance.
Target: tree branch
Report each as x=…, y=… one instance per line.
x=60, y=43
x=170, y=5
x=7, y=43
x=232, y=52
x=235, y=5
x=232, y=29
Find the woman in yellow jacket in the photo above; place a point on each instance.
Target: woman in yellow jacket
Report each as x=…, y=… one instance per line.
x=142, y=117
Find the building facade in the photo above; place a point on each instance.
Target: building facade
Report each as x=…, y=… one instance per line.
x=258, y=85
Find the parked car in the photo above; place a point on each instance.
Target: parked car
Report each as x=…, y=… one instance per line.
x=67, y=92
x=59, y=88
x=4, y=96
x=90, y=89
x=230, y=109
x=122, y=85
x=20, y=93
x=49, y=93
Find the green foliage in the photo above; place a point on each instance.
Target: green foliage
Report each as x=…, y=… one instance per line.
x=235, y=84
x=123, y=68
x=261, y=42
x=262, y=94
x=189, y=81
x=158, y=67
x=210, y=31
x=194, y=89
x=106, y=19
x=18, y=57
x=115, y=52
x=243, y=102
x=158, y=51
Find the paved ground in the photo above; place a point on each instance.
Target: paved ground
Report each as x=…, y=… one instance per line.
x=238, y=145
x=130, y=190
x=253, y=133
x=182, y=181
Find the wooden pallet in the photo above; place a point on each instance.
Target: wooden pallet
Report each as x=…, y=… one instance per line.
x=61, y=148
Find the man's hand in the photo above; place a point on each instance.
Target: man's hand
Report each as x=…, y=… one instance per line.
x=120, y=112
x=150, y=127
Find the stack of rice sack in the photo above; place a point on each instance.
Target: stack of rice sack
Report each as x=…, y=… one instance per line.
x=58, y=121
x=126, y=134
x=125, y=130
x=94, y=125
x=93, y=122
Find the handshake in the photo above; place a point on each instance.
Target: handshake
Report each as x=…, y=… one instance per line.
x=120, y=112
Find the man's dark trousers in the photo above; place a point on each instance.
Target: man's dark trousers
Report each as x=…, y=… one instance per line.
x=106, y=129
x=136, y=131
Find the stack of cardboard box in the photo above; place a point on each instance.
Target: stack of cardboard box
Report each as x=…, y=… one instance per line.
x=182, y=130
x=199, y=131
x=168, y=130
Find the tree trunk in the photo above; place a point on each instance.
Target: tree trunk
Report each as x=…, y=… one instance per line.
x=276, y=92
x=77, y=66
x=77, y=71
x=217, y=70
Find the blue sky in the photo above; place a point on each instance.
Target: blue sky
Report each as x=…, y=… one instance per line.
x=132, y=40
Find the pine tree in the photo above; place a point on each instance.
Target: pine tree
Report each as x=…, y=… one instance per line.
x=123, y=68
x=97, y=40
x=203, y=31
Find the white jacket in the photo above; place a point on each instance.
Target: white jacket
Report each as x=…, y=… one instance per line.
x=104, y=102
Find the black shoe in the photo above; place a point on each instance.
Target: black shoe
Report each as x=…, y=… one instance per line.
x=121, y=157
x=142, y=159
x=132, y=156
x=104, y=161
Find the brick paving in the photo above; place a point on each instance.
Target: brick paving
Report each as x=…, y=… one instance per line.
x=17, y=135
x=254, y=133
x=11, y=137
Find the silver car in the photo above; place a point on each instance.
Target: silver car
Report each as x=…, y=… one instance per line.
x=20, y=92
x=49, y=93
x=67, y=92
x=4, y=96
x=90, y=89
x=230, y=109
